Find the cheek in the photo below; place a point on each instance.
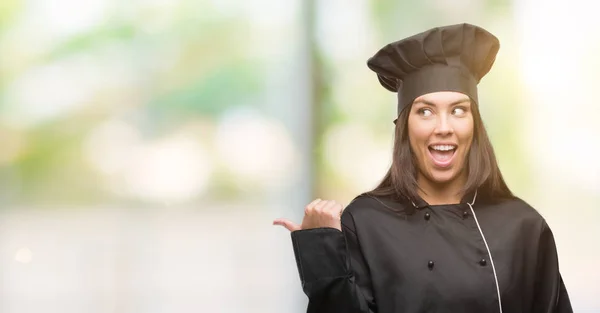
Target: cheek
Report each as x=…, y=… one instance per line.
x=464, y=132
x=414, y=147
x=418, y=133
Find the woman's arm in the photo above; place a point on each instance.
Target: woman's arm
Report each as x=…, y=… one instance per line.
x=333, y=270
x=550, y=292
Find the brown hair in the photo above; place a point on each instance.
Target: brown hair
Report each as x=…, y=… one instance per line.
x=400, y=182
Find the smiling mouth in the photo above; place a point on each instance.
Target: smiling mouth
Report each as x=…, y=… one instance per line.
x=442, y=155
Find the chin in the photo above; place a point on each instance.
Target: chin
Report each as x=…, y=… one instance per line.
x=443, y=177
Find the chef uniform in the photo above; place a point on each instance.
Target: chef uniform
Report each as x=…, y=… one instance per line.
x=400, y=255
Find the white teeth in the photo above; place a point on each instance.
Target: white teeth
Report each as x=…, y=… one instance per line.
x=443, y=147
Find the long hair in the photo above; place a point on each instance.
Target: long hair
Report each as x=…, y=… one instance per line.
x=484, y=175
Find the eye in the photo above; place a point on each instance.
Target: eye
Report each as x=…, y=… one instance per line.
x=459, y=111
x=425, y=112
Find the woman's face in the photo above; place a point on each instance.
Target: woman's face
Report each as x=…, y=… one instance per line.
x=440, y=131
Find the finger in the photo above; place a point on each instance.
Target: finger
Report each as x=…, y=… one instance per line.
x=319, y=206
x=311, y=205
x=289, y=225
x=329, y=206
x=335, y=209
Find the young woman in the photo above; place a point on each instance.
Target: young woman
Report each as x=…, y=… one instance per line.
x=442, y=232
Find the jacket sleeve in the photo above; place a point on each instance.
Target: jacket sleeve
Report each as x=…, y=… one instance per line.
x=550, y=292
x=332, y=269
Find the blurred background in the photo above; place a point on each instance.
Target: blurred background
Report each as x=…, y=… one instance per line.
x=147, y=145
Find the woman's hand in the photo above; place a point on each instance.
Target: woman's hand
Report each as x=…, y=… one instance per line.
x=319, y=213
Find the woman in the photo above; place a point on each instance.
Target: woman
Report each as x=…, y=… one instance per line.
x=442, y=232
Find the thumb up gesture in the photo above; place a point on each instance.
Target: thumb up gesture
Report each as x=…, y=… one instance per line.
x=319, y=213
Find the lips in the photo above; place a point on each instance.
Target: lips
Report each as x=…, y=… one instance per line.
x=442, y=154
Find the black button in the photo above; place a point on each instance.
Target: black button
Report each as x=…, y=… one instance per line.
x=482, y=262
x=465, y=214
x=430, y=265
x=427, y=216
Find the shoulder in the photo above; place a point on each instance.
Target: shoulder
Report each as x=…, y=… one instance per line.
x=365, y=207
x=516, y=210
x=364, y=203
x=515, y=205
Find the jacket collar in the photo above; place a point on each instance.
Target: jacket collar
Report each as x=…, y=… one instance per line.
x=420, y=203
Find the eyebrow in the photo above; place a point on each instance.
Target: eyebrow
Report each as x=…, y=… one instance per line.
x=451, y=104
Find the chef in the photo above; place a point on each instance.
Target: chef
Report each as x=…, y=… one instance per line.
x=442, y=232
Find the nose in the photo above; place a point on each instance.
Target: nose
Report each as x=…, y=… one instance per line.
x=443, y=126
